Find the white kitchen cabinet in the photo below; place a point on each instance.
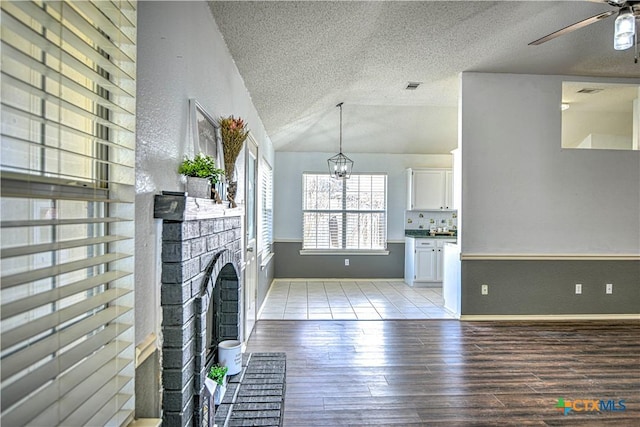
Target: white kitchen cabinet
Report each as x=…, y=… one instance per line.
x=429, y=189
x=439, y=262
x=448, y=190
x=424, y=260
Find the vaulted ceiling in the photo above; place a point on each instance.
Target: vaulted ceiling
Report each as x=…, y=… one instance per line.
x=299, y=59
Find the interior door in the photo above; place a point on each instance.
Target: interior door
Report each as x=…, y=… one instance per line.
x=250, y=240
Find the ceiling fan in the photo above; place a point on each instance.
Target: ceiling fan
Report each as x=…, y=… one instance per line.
x=626, y=31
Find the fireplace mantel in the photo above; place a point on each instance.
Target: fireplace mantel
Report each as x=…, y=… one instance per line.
x=179, y=207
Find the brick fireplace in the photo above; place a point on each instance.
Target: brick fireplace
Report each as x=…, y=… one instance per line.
x=201, y=298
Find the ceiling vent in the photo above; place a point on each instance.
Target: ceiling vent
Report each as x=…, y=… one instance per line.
x=412, y=85
x=590, y=90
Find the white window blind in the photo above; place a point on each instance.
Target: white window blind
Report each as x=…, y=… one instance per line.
x=67, y=179
x=266, y=234
x=345, y=214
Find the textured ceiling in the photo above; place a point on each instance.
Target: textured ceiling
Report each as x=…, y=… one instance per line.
x=299, y=59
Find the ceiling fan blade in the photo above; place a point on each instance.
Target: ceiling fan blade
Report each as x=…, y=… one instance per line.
x=573, y=27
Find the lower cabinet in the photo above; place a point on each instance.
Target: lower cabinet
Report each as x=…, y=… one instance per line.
x=440, y=261
x=424, y=260
x=425, y=269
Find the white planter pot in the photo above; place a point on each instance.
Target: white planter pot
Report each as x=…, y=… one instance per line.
x=198, y=187
x=216, y=390
x=211, y=385
x=220, y=391
x=230, y=355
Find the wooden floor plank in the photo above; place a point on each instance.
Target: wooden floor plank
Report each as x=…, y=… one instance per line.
x=445, y=372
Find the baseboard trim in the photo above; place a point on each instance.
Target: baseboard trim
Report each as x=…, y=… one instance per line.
x=550, y=317
x=266, y=297
x=549, y=257
x=333, y=279
x=146, y=422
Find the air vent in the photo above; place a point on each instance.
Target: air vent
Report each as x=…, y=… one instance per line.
x=412, y=85
x=590, y=90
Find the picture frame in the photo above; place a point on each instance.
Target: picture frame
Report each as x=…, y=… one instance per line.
x=205, y=132
x=206, y=137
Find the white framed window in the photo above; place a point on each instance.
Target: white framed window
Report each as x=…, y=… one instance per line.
x=344, y=214
x=266, y=210
x=67, y=161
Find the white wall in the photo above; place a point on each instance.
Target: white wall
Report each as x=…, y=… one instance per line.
x=522, y=193
x=288, y=186
x=181, y=54
x=599, y=123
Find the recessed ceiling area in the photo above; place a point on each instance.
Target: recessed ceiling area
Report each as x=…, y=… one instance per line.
x=614, y=98
x=299, y=59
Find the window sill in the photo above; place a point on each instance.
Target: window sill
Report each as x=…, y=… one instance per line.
x=265, y=261
x=343, y=252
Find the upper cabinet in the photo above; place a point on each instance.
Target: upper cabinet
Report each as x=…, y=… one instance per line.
x=429, y=189
x=448, y=190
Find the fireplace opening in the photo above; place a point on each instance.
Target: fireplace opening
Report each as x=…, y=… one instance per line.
x=218, y=305
x=222, y=321
x=213, y=327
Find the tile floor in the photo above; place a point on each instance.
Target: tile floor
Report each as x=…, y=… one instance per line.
x=352, y=300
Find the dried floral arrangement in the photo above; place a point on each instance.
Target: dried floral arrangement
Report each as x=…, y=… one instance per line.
x=234, y=133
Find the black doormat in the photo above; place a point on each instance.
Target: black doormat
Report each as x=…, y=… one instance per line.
x=255, y=396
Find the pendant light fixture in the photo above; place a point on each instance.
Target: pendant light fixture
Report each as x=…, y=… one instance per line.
x=340, y=165
x=625, y=29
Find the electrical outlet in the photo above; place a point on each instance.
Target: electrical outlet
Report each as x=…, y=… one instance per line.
x=578, y=288
x=608, y=288
x=346, y=262
x=485, y=290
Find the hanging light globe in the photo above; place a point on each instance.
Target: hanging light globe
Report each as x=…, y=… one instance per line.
x=340, y=166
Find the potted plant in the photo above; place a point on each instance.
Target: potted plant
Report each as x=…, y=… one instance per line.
x=234, y=132
x=201, y=173
x=218, y=375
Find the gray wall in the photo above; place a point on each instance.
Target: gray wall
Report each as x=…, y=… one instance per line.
x=548, y=287
x=265, y=277
x=290, y=264
x=523, y=194
x=181, y=55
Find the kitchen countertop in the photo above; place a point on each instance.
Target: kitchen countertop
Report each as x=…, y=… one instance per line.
x=426, y=234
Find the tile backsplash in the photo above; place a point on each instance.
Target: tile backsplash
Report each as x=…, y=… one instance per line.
x=426, y=220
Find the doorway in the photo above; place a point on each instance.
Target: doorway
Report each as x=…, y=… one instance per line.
x=250, y=240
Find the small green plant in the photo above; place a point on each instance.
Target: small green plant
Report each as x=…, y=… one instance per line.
x=217, y=373
x=201, y=166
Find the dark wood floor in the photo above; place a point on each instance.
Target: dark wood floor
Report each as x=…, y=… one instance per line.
x=450, y=373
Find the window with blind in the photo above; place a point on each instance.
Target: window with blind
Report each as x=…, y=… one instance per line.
x=344, y=214
x=67, y=179
x=266, y=215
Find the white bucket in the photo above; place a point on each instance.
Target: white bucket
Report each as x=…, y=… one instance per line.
x=230, y=355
